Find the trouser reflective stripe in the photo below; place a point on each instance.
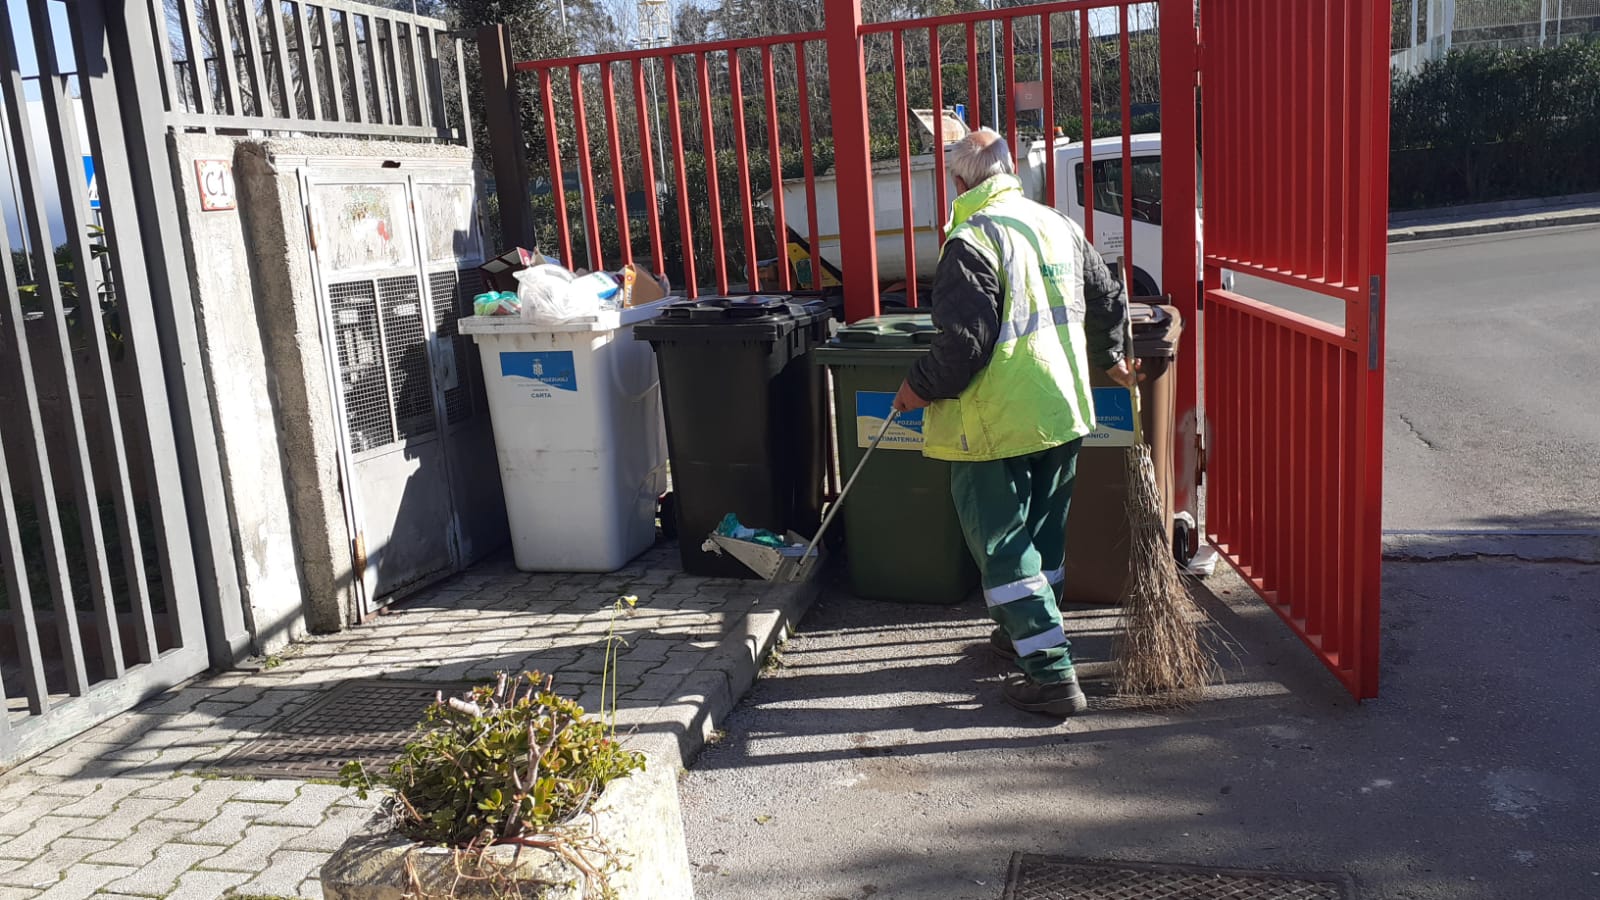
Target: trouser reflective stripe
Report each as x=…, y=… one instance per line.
x=1016, y=590
x=1013, y=514
x=1055, y=637
x=1057, y=576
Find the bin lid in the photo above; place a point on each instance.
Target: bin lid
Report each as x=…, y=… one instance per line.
x=893, y=339
x=1148, y=317
x=606, y=320
x=753, y=317
x=911, y=329
x=1156, y=330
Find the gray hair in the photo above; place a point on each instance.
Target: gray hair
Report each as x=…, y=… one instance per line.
x=975, y=164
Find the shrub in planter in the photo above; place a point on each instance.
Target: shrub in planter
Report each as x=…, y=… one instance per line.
x=505, y=768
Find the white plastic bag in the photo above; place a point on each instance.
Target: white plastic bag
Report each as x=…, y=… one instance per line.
x=545, y=294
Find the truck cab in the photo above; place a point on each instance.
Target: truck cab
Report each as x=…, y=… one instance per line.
x=1107, y=234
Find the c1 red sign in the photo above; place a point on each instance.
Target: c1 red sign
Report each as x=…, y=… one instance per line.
x=214, y=177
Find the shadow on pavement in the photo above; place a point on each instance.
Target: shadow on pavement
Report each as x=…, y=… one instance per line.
x=880, y=761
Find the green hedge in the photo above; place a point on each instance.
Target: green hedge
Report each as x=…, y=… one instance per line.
x=1481, y=126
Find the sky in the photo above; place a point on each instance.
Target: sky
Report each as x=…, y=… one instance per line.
x=23, y=31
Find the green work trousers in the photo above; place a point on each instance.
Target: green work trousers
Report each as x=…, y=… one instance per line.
x=1014, y=515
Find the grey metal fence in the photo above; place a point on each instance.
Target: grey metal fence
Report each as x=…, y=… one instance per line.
x=100, y=597
x=311, y=67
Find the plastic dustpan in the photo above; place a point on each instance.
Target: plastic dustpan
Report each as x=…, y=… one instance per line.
x=784, y=564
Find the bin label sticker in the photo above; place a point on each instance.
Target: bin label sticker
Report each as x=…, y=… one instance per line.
x=545, y=372
x=872, y=408
x=1113, y=414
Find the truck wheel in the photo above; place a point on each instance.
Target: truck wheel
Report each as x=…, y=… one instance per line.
x=1180, y=543
x=1143, y=284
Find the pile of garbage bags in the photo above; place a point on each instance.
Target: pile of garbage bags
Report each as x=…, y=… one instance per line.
x=550, y=293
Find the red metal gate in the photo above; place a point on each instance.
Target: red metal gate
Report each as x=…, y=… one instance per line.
x=1296, y=135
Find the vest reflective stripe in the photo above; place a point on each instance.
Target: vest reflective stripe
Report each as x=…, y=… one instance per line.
x=1034, y=393
x=1016, y=590
x=1059, y=315
x=1055, y=637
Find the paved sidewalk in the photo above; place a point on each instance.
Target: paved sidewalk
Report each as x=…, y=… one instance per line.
x=1492, y=218
x=128, y=810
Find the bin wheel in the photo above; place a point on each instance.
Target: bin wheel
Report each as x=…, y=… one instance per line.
x=668, y=511
x=1180, y=543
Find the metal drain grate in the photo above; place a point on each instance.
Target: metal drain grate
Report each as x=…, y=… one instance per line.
x=1050, y=878
x=367, y=720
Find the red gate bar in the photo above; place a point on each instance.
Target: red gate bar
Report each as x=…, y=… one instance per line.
x=974, y=117
x=1125, y=68
x=619, y=188
x=936, y=82
x=741, y=155
x=780, y=226
x=1009, y=114
x=558, y=190
x=1047, y=70
x=591, y=213
x=680, y=173
x=1374, y=249
x=1180, y=236
x=852, y=160
x=908, y=222
x=647, y=163
x=718, y=253
x=1085, y=88
x=810, y=166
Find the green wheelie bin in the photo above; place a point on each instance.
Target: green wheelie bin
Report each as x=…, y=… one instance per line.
x=902, y=536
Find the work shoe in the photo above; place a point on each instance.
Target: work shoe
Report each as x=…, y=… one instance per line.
x=1059, y=698
x=1001, y=644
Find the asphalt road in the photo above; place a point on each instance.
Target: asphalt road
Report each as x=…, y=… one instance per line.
x=879, y=761
x=1493, y=418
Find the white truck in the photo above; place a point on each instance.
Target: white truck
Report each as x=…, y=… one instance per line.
x=927, y=218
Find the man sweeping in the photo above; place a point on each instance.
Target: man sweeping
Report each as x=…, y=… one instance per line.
x=1024, y=305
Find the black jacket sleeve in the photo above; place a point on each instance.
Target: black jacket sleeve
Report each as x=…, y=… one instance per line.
x=967, y=300
x=1105, y=310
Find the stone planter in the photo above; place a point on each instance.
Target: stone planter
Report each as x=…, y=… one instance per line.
x=637, y=817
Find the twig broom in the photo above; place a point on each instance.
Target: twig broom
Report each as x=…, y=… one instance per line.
x=1161, y=657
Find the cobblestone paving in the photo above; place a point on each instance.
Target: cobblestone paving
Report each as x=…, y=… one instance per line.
x=129, y=810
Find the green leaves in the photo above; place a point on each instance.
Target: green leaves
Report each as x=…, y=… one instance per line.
x=508, y=759
x=1483, y=125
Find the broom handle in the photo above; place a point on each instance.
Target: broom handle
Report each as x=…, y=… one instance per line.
x=834, y=509
x=1128, y=354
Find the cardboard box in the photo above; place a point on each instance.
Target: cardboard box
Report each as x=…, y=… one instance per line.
x=639, y=286
x=499, y=274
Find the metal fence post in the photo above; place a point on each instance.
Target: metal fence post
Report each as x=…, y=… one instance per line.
x=852, y=162
x=504, y=121
x=1179, y=188
x=125, y=33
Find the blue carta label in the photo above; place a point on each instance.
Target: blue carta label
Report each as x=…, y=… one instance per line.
x=547, y=371
x=1113, y=415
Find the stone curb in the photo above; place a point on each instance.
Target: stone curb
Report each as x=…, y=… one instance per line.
x=1578, y=548
x=1492, y=226
x=681, y=725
